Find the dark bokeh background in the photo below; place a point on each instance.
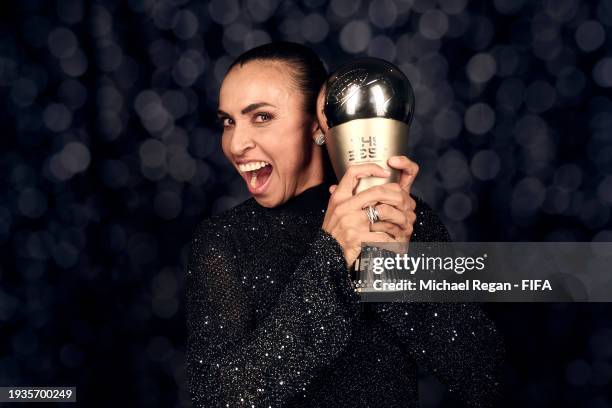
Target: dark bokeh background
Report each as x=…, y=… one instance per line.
x=110, y=156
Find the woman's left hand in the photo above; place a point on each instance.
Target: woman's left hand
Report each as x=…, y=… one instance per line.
x=403, y=215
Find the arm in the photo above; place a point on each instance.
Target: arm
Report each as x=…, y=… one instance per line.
x=228, y=361
x=457, y=342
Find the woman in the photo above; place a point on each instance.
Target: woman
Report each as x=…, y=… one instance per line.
x=272, y=318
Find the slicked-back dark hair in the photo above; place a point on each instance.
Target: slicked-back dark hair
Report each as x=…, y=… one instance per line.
x=309, y=69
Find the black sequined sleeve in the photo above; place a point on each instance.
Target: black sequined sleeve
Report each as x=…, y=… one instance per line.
x=232, y=361
x=456, y=342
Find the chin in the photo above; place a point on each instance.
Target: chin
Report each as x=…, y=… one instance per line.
x=268, y=202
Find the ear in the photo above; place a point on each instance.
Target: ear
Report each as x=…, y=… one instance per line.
x=314, y=129
x=320, y=106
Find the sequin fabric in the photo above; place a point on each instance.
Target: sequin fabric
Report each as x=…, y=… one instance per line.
x=273, y=319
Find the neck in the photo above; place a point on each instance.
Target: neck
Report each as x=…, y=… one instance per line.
x=313, y=174
x=312, y=200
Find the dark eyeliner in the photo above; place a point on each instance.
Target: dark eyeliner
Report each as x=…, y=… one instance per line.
x=268, y=115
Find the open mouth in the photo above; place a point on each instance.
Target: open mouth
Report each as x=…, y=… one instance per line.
x=256, y=174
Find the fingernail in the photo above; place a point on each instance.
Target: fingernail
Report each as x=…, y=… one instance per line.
x=395, y=160
x=387, y=172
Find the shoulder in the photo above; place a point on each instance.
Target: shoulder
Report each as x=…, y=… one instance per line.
x=213, y=242
x=222, y=226
x=428, y=227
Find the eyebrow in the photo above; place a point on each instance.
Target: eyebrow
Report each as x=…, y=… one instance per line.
x=247, y=109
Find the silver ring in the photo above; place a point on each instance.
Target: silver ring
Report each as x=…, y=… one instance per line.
x=372, y=214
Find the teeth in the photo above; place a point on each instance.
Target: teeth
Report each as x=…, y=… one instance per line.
x=254, y=180
x=252, y=166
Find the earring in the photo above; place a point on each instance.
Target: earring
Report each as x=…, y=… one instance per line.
x=320, y=139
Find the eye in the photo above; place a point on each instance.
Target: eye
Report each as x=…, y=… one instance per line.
x=261, y=117
x=225, y=122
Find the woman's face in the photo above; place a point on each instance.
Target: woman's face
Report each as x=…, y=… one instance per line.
x=267, y=134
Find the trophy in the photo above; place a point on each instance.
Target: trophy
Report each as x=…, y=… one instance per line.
x=366, y=111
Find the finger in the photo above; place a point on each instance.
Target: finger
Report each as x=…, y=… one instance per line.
x=409, y=170
x=365, y=213
x=390, y=228
x=390, y=193
x=351, y=178
x=376, y=237
x=411, y=217
x=411, y=204
x=393, y=215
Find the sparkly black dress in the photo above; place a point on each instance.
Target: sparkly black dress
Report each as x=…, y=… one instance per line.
x=273, y=321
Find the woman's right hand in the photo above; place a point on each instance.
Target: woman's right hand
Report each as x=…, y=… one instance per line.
x=345, y=218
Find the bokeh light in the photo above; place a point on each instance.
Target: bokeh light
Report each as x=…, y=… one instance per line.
x=111, y=157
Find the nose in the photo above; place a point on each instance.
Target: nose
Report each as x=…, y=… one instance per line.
x=242, y=141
